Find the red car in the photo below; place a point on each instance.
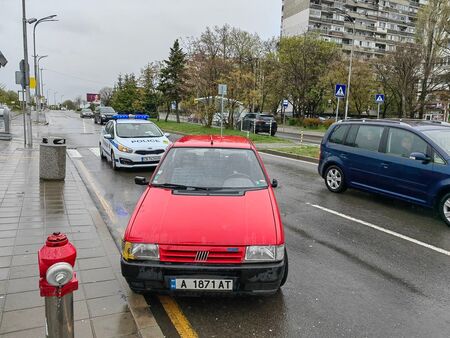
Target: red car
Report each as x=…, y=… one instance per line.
x=208, y=221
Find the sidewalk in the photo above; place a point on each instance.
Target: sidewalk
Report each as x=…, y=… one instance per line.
x=31, y=209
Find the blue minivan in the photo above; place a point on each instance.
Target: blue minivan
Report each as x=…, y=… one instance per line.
x=404, y=159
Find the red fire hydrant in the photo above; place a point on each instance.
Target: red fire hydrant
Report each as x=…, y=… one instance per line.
x=57, y=283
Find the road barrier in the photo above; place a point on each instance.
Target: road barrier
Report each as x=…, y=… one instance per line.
x=57, y=282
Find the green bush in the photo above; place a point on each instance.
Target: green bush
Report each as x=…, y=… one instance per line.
x=292, y=122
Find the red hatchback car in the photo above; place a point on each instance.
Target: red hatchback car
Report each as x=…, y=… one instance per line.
x=208, y=221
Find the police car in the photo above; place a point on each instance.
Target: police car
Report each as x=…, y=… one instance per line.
x=131, y=141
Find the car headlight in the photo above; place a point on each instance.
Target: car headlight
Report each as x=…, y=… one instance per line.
x=267, y=253
x=124, y=149
x=140, y=251
x=103, y=116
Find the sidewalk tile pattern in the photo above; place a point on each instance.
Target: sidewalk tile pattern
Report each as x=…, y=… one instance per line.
x=31, y=209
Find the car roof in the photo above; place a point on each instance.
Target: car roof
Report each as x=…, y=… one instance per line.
x=213, y=141
x=420, y=125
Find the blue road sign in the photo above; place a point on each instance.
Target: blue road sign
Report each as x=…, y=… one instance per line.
x=340, y=90
x=285, y=103
x=379, y=98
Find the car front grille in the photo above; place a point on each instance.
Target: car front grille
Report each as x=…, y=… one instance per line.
x=194, y=254
x=149, y=152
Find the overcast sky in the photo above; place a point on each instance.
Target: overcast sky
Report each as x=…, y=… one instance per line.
x=95, y=40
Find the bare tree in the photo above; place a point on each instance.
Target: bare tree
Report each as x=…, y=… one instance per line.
x=399, y=73
x=432, y=35
x=106, y=94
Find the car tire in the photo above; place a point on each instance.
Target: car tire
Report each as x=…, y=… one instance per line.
x=113, y=161
x=102, y=156
x=444, y=208
x=95, y=120
x=286, y=269
x=334, y=179
x=273, y=133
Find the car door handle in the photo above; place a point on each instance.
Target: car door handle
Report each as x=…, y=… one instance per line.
x=384, y=165
x=343, y=156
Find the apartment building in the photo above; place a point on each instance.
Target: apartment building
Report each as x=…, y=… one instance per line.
x=379, y=24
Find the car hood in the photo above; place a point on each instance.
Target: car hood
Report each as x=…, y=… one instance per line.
x=147, y=143
x=167, y=218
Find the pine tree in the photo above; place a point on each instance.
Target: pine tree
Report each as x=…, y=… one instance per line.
x=173, y=78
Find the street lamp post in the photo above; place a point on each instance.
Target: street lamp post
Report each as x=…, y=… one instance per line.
x=38, y=87
x=54, y=98
x=27, y=125
x=36, y=66
x=41, y=80
x=352, y=20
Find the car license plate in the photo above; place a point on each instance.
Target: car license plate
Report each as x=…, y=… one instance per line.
x=151, y=158
x=201, y=284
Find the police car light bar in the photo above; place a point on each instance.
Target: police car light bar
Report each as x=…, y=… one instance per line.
x=130, y=116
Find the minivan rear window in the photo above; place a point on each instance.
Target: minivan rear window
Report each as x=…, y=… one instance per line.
x=338, y=134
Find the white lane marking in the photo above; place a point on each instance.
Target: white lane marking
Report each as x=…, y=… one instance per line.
x=376, y=227
x=73, y=153
x=287, y=158
x=95, y=151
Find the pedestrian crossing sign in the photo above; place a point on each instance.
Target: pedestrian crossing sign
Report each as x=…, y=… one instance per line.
x=379, y=98
x=340, y=90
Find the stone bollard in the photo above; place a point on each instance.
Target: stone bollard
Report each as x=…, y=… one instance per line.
x=52, y=158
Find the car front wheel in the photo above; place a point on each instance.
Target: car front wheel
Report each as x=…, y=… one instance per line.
x=334, y=179
x=444, y=208
x=102, y=156
x=113, y=161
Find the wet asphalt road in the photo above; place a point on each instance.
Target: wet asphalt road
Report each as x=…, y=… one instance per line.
x=346, y=279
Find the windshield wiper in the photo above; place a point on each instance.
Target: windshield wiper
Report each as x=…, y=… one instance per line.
x=178, y=186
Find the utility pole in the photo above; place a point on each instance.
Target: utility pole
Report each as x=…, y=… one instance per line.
x=29, y=133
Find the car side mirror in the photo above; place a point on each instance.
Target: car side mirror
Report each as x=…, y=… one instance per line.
x=139, y=180
x=274, y=183
x=420, y=157
x=166, y=134
x=108, y=136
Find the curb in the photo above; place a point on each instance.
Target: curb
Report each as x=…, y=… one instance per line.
x=292, y=156
x=146, y=324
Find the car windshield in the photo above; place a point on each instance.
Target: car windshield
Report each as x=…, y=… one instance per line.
x=441, y=137
x=267, y=117
x=86, y=110
x=107, y=110
x=217, y=168
x=138, y=130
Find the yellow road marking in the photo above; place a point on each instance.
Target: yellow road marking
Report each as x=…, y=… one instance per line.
x=178, y=319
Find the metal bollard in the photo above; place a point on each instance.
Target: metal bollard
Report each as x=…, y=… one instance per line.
x=301, y=137
x=270, y=128
x=57, y=283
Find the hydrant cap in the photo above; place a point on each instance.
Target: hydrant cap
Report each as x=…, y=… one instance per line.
x=57, y=239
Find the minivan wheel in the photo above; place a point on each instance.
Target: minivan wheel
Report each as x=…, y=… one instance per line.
x=444, y=208
x=334, y=179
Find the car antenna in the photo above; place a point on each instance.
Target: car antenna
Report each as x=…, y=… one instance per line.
x=212, y=141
